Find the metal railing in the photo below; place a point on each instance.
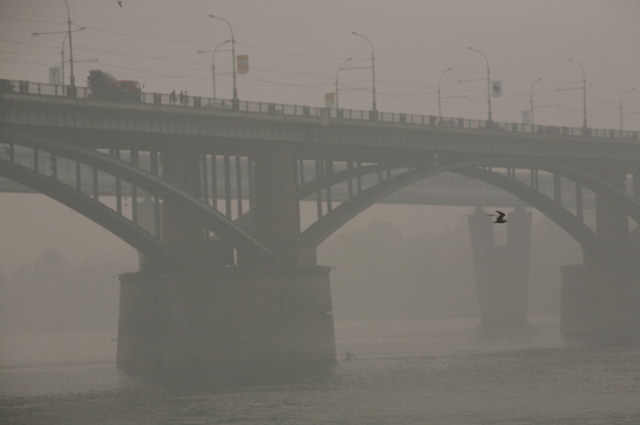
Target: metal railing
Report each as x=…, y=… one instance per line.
x=553, y=132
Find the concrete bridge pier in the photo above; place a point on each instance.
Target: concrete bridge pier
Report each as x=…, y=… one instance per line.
x=208, y=318
x=502, y=272
x=600, y=299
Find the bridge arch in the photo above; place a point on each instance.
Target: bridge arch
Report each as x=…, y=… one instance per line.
x=574, y=226
x=102, y=215
x=114, y=221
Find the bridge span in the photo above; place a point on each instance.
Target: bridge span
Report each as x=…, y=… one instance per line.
x=229, y=274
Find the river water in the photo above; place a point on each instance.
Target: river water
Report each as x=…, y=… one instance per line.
x=405, y=372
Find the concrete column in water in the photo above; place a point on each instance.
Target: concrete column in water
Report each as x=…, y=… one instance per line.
x=277, y=216
x=600, y=298
x=219, y=319
x=502, y=272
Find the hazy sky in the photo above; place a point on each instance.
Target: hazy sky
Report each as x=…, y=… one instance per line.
x=295, y=47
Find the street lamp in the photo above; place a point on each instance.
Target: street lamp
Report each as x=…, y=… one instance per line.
x=622, y=97
x=374, y=109
x=235, y=103
x=440, y=78
x=488, y=81
x=338, y=69
x=213, y=66
x=531, y=100
x=584, y=94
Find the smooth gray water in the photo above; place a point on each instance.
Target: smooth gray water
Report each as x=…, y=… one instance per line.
x=406, y=372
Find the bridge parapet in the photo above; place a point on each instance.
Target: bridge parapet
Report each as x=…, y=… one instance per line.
x=9, y=88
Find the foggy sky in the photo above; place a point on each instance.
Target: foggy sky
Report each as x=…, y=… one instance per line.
x=294, y=48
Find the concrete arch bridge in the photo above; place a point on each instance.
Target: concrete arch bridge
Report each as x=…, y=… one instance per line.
x=230, y=273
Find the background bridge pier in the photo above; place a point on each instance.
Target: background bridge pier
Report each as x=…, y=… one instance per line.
x=502, y=272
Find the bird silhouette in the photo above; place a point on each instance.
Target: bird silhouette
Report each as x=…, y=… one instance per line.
x=120, y=4
x=500, y=217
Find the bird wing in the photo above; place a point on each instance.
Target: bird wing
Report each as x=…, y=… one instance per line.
x=500, y=215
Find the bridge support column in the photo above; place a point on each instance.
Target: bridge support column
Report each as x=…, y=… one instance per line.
x=182, y=168
x=502, y=272
x=192, y=320
x=601, y=298
x=277, y=215
x=186, y=324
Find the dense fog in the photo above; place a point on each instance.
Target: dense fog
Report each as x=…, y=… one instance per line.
x=407, y=313
x=378, y=273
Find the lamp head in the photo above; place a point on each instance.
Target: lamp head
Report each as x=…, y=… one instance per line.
x=354, y=33
x=212, y=16
x=449, y=69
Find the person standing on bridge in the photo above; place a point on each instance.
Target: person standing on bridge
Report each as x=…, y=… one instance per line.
x=173, y=98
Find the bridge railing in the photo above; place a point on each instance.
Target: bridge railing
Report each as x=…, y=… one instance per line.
x=553, y=132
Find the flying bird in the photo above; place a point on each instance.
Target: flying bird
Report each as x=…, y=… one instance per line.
x=500, y=217
x=120, y=4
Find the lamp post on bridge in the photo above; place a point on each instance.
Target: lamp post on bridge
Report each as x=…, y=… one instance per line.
x=539, y=106
x=213, y=64
x=531, y=100
x=440, y=78
x=235, y=103
x=62, y=53
x=488, y=82
x=584, y=94
x=374, y=109
x=622, y=97
x=338, y=69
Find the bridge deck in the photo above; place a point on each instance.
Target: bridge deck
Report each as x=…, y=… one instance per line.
x=38, y=105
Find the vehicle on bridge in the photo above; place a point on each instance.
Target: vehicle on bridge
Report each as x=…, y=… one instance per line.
x=105, y=86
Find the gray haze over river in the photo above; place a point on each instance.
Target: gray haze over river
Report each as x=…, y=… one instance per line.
x=421, y=371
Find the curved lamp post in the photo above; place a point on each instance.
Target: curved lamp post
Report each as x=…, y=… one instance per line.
x=374, y=108
x=488, y=81
x=531, y=100
x=235, y=103
x=213, y=65
x=338, y=69
x=584, y=93
x=440, y=78
x=622, y=97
